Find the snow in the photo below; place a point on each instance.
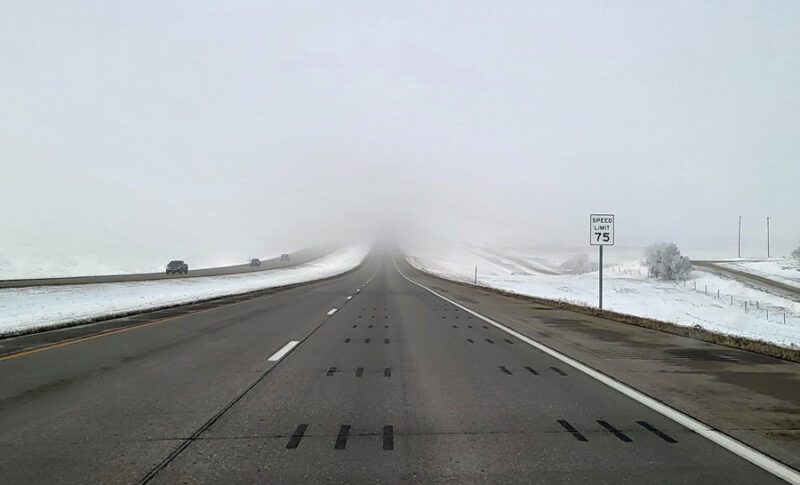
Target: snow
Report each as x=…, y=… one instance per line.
x=784, y=270
x=626, y=289
x=47, y=306
x=37, y=263
x=32, y=259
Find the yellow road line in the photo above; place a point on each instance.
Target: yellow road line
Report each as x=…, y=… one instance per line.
x=112, y=332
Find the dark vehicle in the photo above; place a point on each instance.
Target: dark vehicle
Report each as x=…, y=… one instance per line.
x=177, y=267
x=255, y=262
x=284, y=257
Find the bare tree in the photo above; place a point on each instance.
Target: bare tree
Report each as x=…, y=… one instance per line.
x=664, y=260
x=796, y=253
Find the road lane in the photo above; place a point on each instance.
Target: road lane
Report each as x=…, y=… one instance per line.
x=395, y=386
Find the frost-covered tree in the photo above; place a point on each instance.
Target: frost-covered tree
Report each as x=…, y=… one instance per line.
x=665, y=261
x=796, y=253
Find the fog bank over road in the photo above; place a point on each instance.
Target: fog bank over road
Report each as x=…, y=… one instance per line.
x=230, y=131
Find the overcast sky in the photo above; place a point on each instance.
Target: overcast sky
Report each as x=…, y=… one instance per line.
x=277, y=124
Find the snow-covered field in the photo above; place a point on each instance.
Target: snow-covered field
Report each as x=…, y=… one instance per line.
x=738, y=310
x=784, y=270
x=45, y=306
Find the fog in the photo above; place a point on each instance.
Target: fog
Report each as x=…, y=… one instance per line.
x=248, y=128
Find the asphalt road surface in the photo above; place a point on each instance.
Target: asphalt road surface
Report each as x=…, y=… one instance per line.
x=397, y=385
x=750, y=279
x=298, y=257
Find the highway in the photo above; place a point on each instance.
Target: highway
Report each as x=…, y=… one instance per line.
x=298, y=257
x=370, y=377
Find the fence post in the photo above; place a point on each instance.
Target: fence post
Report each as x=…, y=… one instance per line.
x=767, y=310
x=717, y=293
x=731, y=299
x=706, y=290
x=745, y=306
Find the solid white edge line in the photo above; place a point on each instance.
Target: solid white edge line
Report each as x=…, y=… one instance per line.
x=332, y=311
x=283, y=351
x=733, y=445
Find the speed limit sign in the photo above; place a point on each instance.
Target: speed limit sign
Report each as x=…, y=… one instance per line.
x=601, y=233
x=601, y=229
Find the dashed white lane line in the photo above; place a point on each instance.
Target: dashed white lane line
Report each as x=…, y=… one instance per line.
x=349, y=297
x=283, y=351
x=729, y=443
x=332, y=311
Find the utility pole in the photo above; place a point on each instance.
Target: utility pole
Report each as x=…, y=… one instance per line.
x=767, y=237
x=739, y=252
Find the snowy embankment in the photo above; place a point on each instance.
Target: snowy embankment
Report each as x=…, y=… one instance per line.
x=714, y=303
x=23, y=309
x=783, y=270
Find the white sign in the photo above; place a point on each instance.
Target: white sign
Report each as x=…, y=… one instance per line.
x=601, y=229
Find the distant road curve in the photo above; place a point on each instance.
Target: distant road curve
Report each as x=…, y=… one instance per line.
x=296, y=258
x=770, y=285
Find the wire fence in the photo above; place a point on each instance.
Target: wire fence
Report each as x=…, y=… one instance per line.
x=770, y=313
x=777, y=314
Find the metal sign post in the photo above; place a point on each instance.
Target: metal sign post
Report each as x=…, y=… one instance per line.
x=601, y=233
x=600, y=279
